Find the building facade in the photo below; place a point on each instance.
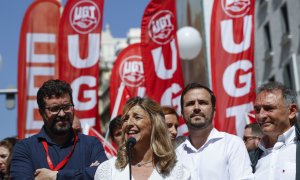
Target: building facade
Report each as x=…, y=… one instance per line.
x=277, y=42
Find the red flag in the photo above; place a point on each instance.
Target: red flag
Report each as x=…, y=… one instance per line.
x=38, y=56
x=250, y=118
x=108, y=147
x=79, y=44
x=232, y=63
x=127, y=78
x=160, y=54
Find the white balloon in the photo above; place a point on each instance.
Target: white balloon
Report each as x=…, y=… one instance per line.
x=189, y=42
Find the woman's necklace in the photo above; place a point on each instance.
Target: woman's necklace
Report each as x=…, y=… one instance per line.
x=142, y=164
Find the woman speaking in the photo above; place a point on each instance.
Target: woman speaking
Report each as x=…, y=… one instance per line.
x=149, y=153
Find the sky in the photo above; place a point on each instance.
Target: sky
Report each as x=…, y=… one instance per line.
x=120, y=15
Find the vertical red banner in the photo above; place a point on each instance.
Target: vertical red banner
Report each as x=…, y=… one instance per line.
x=79, y=45
x=163, y=73
x=127, y=78
x=232, y=62
x=38, y=60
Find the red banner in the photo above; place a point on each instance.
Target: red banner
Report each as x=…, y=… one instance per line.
x=38, y=56
x=160, y=54
x=127, y=78
x=232, y=63
x=79, y=44
x=110, y=151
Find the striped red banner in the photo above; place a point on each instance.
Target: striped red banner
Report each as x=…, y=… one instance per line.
x=232, y=63
x=163, y=73
x=127, y=78
x=38, y=61
x=79, y=44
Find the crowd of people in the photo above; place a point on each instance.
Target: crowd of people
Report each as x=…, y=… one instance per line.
x=145, y=135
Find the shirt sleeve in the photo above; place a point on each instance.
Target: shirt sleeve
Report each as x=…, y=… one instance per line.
x=104, y=171
x=97, y=155
x=21, y=164
x=239, y=162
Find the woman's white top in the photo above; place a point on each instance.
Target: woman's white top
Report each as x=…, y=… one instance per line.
x=107, y=171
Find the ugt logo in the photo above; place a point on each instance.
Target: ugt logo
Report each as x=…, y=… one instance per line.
x=161, y=27
x=132, y=71
x=84, y=16
x=236, y=8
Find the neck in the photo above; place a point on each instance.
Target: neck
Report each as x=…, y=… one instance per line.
x=61, y=138
x=269, y=141
x=270, y=138
x=142, y=154
x=199, y=137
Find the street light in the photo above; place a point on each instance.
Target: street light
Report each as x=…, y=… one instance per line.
x=10, y=97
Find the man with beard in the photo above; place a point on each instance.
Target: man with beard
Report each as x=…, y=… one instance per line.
x=208, y=153
x=56, y=152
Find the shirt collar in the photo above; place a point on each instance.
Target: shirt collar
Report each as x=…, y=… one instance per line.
x=42, y=135
x=213, y=136
x=289, y=136
x=286, y=138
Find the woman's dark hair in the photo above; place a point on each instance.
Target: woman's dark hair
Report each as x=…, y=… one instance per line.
x=9, y=144
x=115, y=123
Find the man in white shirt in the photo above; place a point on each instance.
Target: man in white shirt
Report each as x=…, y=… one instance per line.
x=208, y=153
x=275, y=111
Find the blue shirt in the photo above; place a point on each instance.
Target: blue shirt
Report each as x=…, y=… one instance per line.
x=29, y=155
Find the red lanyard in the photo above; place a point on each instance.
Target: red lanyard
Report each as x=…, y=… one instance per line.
x=64, y=161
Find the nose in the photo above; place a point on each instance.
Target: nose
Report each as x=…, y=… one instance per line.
x=196, y=107
x=173, y=131
x=130, y=121
x=129, y=124
x=61, y=112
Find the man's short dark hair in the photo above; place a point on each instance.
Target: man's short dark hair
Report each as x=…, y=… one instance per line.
x=50, y=88
x=255, y=129
x=194, y=85
x=115, y=123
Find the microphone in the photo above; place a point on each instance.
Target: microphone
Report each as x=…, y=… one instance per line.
x=130, y=143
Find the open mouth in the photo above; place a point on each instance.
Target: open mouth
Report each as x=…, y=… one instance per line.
x=132, y=133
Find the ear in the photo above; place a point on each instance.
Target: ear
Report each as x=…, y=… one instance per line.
x=293, y=109
x=42, y=113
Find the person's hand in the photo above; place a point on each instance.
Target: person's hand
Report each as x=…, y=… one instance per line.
x=96, y=163
x=45, y=174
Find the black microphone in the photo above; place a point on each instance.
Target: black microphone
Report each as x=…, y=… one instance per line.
x=130, y=143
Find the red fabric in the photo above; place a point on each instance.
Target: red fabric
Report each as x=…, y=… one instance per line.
x=79, y=44
x=127, y=78
x=109, y=149
x=250, y=118
x=232, y=63
x=64, y=161
x=163, y=73
x=38, y=60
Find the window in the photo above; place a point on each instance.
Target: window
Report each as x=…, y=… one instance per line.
x=285, y=19
x=272, y=79
x=290, y=74
x=263, y=2
x=267, y=40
